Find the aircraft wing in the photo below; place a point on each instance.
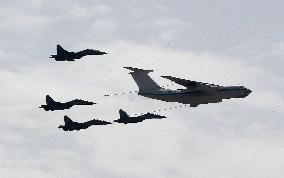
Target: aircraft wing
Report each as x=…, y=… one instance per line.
x=192, y=85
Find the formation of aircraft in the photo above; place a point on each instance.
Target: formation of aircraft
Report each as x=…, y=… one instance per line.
x=71, y=125
x=52, y=105
x=194, y=93
x=64, y=55
x=126, y=119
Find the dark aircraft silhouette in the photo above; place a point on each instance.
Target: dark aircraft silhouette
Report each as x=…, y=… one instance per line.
x=71, y=125
x=64, y=55
x=52, y=105
x=195, y=93
x=125, y=119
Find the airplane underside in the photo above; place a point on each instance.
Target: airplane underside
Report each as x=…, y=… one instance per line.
x=63, y=58
x=193, y=100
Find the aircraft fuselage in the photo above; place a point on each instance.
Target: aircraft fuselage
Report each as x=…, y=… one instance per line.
x=195, y=98
x=57, y=106
x=68, y=56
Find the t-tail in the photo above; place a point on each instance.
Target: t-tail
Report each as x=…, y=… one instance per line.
x=145, y=83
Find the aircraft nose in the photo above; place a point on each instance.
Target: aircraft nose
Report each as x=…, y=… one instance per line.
x=247, y=92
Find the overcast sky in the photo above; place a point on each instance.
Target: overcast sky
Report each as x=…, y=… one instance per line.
x=221, y=42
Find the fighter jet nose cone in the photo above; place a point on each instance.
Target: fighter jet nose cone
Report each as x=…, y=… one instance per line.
x=247, y=92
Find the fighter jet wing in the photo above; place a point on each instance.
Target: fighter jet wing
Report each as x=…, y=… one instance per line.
x=82, y=53
x=89, y=52
x=192, y=85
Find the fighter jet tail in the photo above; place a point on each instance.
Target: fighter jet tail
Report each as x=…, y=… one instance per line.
x=145, y=83
x=123, y=114
x=60, y=50
x=49, y=100
x=45, y=107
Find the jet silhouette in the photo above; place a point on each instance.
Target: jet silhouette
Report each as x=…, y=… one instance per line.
x=195, y=93
x=52, y=105
x=64, y=55
x=71, y=125
x=125, y=119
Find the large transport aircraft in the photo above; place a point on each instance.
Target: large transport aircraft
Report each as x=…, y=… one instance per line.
x=195, y=93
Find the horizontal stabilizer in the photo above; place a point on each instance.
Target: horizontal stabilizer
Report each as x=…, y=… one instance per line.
x=137, y=70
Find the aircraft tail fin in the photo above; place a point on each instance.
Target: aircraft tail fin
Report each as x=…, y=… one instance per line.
x=60, y=50
x=123, y=114
x=145, y=83
x=49, y=100
x=67, y=120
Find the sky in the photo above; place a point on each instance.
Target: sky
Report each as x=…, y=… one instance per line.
x=221, y=42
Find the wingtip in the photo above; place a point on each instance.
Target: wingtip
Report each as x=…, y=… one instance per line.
x=166, y=76
x=170, y=77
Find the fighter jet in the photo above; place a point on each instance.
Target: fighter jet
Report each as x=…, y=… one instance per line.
x=64, y=55
x=125, y=118
x=71, y=125
x=52, y=105
x=195, y=93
